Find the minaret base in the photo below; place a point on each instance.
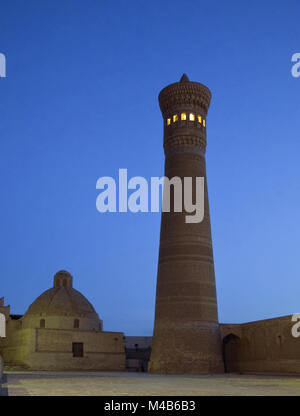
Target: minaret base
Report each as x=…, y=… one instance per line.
x=187, y=350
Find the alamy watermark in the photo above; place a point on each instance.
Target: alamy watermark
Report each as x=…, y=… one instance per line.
x=2, y=65
x=184, y=193
x=296, y=67
x=296, y=326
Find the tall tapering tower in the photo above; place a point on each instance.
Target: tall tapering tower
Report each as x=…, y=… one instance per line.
x=186, y=331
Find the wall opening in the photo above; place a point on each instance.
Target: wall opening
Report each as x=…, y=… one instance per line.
x=77, y=349
x=231, y=353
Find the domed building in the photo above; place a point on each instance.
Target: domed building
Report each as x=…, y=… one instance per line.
x=62, y=331
x=62, y=307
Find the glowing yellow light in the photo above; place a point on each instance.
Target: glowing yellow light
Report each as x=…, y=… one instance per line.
x=204, y=123
x=192, y=117
x=175, y=118
x=199, y=119
x=168, y=121
x=183, y=116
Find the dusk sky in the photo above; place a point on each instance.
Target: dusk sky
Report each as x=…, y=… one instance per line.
x=80, y=102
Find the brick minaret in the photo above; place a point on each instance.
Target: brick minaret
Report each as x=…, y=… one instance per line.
x=186, y=331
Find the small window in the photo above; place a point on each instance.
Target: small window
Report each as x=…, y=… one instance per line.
x=76, y=323
x=168, y=121
x=192, y=117
x=199, y=119
x=175, y=118
x=64, y=283
x=42, y=323
x=77, y=349
x=183, y=116
x=204, y=123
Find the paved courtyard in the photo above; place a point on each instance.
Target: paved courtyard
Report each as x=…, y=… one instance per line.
x=143, y=384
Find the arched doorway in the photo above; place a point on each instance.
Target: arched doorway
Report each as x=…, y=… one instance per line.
x=231, y=353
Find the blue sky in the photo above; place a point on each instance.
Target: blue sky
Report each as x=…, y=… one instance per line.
x=80, y=101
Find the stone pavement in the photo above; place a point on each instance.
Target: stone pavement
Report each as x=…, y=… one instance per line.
x=47, y=383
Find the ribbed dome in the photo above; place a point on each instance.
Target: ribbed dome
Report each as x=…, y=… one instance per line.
x=60, y=306
x=61, y=301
